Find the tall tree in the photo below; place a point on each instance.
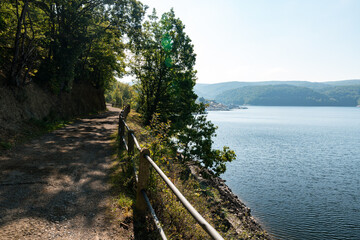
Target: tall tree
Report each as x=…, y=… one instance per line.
x=163, y=65
x=57, y=42
x=164, y=68
x=119, y=94
x=21, y=31
x=87, y=40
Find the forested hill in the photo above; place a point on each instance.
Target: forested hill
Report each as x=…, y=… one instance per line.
x=288, y=95
x=336, y=93
x=210, y=91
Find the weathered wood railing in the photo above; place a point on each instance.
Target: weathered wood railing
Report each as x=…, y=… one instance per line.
x=142, y=178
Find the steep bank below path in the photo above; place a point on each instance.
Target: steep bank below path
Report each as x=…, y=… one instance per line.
x=56, y=186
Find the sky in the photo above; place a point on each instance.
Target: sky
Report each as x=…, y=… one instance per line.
x=262, y=40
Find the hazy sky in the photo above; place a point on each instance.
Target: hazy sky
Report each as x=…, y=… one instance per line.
x=260, y=40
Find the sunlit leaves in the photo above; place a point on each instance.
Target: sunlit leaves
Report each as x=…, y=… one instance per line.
x=195, y=142
x=66, y=41
x=163, y=65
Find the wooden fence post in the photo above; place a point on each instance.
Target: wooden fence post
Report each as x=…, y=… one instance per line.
x=126, y=111
x=130, y=142
x=144, y=174
x=121, y=130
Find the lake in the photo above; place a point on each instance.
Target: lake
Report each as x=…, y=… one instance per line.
x=297, y=168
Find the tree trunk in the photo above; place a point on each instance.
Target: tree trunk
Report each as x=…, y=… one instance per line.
x=15, y=70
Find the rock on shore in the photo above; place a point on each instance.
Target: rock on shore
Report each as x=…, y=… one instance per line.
x=237, y=213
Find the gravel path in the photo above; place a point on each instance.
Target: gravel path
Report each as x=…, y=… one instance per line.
x=56, y=187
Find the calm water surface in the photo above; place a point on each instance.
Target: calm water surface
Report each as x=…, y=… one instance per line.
x=297, y=168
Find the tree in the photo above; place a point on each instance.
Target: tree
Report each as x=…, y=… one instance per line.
x=202, y=100
x=195, y=142
x=87, y=41
x=57, y=42
x=119, y=94
x=21, y=31
x=163, y=65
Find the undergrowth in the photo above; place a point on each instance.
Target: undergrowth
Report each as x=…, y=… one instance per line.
x=34, y=128
x=122, y=181
x=31, y=129
x=176, y=221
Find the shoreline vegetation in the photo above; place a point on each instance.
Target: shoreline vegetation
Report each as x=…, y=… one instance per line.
x=237, y=213
x=208, y=193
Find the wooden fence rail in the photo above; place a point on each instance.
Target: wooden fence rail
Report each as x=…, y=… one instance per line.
x=142, y=179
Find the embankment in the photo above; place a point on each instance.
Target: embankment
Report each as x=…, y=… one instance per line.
x=20, y=105
x=237, y=214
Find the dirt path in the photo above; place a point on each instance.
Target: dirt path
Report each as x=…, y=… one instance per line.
x=56, y=187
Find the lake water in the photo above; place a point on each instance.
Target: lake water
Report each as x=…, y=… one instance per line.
x=297, y=168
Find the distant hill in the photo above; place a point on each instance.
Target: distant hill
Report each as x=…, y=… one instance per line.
x=283, y=93
x=210, y=91
x=288, y=95
x=274, y=95
x=351, y=82
x=348, y=95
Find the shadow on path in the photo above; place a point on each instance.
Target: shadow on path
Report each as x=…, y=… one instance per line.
x=56, y=186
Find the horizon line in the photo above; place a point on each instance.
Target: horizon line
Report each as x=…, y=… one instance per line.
x=352, y=79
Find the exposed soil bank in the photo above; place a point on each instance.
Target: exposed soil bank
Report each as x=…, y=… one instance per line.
x=237, y=214
x=19, y=105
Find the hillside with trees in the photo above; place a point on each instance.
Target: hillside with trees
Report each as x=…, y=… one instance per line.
x=210, y=91
x=283, y=93
x=347, y=95
x=288, y=95
x=274, y=95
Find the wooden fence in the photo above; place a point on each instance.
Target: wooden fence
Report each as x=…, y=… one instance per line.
x=142, y=179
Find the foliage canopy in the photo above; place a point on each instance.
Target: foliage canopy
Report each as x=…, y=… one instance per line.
x=163, y=64
x=58, y=42
x=119, y=94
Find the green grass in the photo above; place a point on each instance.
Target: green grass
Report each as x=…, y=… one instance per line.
x=176, y=221
x=5, y=145
x=34, y=128
x=124, y=201
x=44, y=126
